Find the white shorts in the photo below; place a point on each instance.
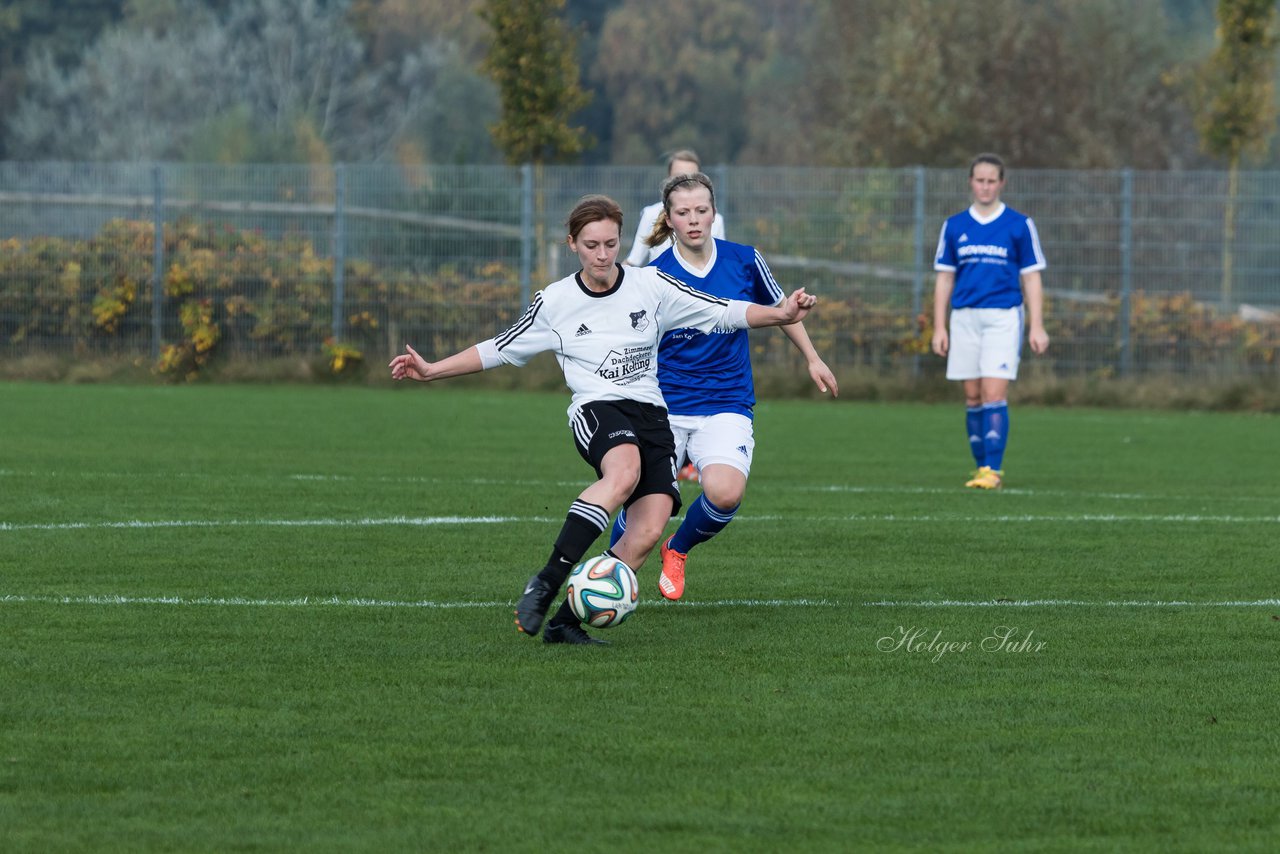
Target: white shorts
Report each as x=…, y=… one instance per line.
x=726, y=438
x=985, y=342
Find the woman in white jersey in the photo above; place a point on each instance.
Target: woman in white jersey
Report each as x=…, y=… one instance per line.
x=604, y=323
x=988, y=265
x=705, y=375
x=678, y=163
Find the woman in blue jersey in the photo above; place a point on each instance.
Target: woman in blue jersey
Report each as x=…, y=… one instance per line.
x=706, y=376
x=604, y=324
x=988, y=264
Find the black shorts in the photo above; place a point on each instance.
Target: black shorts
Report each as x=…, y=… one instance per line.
x=602, y=425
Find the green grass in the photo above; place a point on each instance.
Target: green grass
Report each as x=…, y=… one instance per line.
x=244, y=681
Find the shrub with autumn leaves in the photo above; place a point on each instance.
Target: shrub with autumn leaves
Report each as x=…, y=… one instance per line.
x=230, y=290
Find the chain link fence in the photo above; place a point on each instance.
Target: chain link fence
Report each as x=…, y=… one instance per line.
x=267, y=261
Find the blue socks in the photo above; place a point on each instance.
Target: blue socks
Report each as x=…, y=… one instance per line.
x=702, y=521
x=995, y=432
x=973, y=424
x=619, y=527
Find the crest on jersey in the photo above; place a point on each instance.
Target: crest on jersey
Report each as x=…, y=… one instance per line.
x=639, y=321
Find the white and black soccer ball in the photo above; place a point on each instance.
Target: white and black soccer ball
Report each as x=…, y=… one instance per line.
x=602, y=591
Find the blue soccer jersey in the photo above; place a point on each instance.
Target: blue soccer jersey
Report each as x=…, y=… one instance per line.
x=988, y=257
x=708, y=373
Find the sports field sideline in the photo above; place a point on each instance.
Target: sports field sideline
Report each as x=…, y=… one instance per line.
x=279, y=617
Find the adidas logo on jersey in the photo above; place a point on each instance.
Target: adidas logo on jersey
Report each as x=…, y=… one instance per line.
x=964, y=238
x=742, y=449
x=582, y=330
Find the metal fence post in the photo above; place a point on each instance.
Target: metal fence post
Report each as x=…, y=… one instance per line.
x=157, y=261
x=1126, y=271
x=339, y=248
x=917, y=287
x=526, y=231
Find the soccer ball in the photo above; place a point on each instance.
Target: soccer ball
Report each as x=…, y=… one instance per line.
x=602, y=591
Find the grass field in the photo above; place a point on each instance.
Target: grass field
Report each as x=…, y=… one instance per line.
x=267, y=618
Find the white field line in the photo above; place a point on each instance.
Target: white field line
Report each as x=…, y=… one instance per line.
x=578, y=482
x=427, y=604
x=1071, y=603
x=420, y=521
x=427, y=521
x=1025, y=517
x=352, y=602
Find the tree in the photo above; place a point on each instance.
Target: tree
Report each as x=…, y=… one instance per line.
x=59, y=30
x=1059, y=83
x=130, y=98
x=457, y=103
x=533, y=62
x=587, y=19
x=676, y=73
x=392, y=28
x=266, y=80
x=1237, y=101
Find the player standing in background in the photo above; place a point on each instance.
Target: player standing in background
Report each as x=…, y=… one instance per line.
x=705, y=375
x=604, y=323
x=678, y=163
x=988, y=264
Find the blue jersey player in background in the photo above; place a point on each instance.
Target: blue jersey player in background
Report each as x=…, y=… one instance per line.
x=705, y=377
x=988, y=265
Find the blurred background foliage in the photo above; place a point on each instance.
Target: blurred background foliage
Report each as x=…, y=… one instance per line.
x=1076, y=84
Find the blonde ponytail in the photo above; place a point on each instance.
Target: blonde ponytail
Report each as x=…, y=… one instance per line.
x=661, y=230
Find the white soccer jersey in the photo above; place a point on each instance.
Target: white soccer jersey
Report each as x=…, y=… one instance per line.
x=642, y=253
x=607, y=343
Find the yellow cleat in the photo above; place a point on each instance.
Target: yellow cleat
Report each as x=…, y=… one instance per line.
x=986, y=478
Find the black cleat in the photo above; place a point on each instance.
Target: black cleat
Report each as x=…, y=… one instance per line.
x=532, y=608
x=569, y=633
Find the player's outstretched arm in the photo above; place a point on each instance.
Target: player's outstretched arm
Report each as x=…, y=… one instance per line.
x=410, y=366
x=791, y=309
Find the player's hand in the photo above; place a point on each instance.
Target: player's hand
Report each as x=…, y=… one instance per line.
x=941, y=343
x=823, y=378
x=409, y=365
x=1039, y=340
x=797, y=306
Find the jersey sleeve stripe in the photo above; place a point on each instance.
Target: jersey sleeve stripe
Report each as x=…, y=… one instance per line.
x=942, y=247
x=693, y=292
x=525, y=321
x=774, y=289
x=1040, y=263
